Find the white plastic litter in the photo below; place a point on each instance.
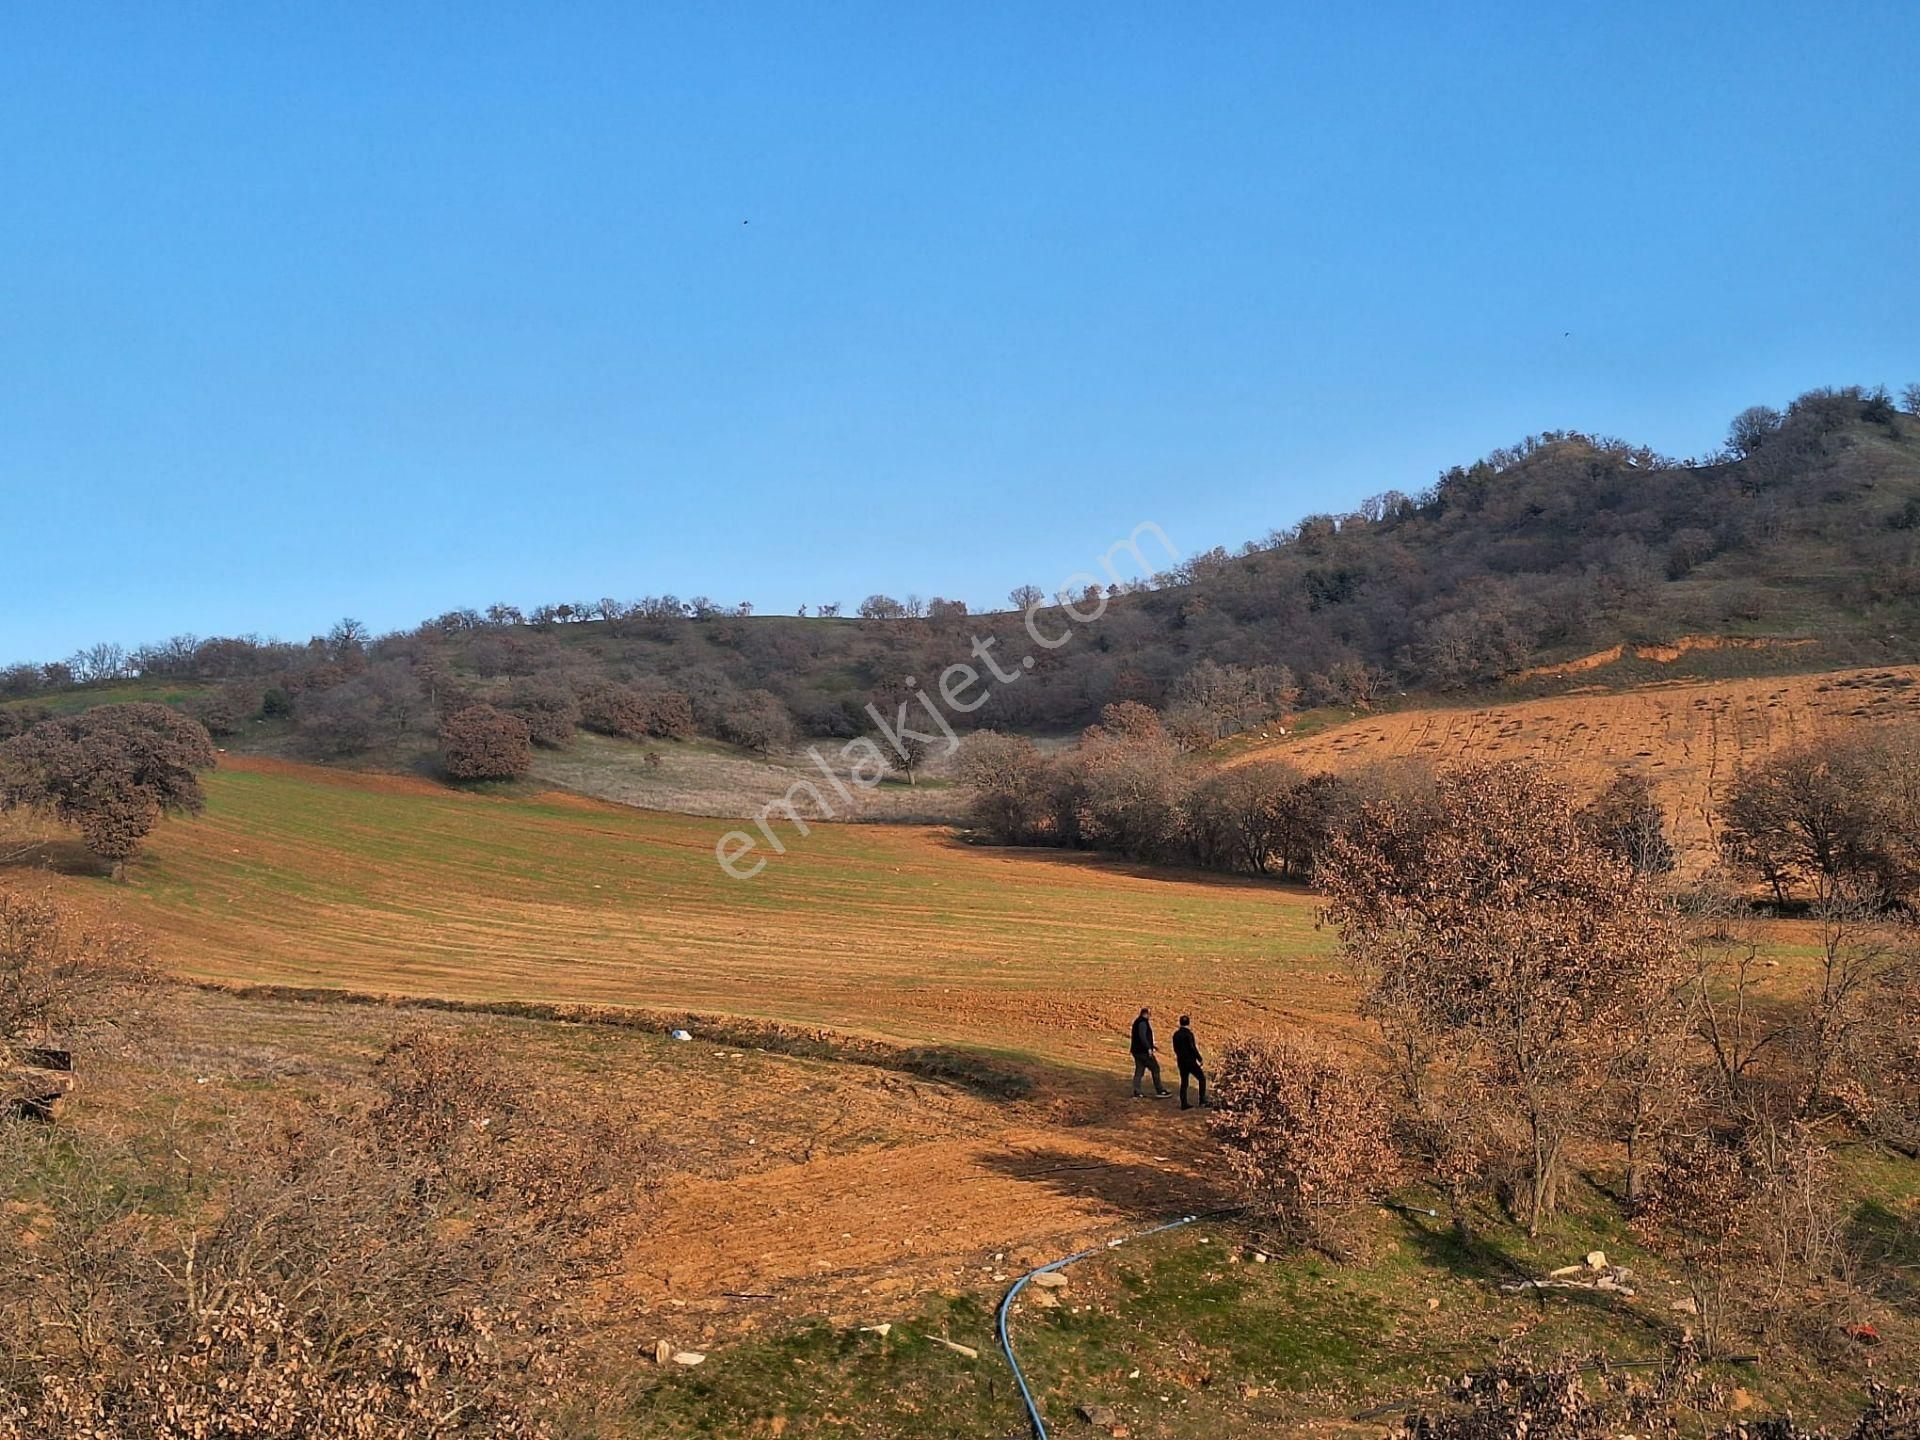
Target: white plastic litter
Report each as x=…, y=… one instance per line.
x=681, y=1035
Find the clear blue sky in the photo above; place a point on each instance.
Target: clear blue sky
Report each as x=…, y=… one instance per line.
x=311, y=310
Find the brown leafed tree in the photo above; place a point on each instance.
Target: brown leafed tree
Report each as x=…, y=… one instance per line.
x=482, y=743
x=1503, y=948
x=112, y=772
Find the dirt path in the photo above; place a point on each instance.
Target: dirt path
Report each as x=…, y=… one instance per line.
x=852, y=1236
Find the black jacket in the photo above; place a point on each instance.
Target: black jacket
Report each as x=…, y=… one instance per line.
x=1142, y=1037
x=1186, y=1049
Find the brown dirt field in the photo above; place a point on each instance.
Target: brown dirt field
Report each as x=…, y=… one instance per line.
x=1690, y=738
x=840, y=1191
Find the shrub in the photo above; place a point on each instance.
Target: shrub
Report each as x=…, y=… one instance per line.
x=757, y=720
x=1306, y=1136
x=1626, y=820
x=58, y=973
x=637, y=712
x=481, y=743
x=225, y=711
x=547, y=705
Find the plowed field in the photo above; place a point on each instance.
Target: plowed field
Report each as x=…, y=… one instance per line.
x=1690, y=738
x=304, y=876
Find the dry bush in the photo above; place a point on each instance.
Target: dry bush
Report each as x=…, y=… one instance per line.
x=1755, y=1219
x=309, y=1291
x=636, y=712
x=1306, y=1136
x=1842, y=1049
x=398, y=1268
x=445, y=1107
x=1628, y=820
x=57, y=973
x=1008, y=777
x=1570, y=1400
x=547, y=705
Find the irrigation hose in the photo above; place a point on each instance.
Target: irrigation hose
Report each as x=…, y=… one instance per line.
x=1034, y=1416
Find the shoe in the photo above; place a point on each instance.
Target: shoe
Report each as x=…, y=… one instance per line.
x=1163, y=1094
x=1185, y=1106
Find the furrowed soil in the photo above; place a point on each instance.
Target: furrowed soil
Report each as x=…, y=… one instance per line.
x=303, y=876
x=1690, y=738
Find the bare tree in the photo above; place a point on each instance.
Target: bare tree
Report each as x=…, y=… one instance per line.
x=1752, y=428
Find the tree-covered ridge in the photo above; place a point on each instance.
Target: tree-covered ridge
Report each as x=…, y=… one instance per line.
x=1805, y=525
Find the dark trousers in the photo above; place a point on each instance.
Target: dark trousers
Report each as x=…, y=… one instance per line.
x=1192, y=1071
x=1147, y=1065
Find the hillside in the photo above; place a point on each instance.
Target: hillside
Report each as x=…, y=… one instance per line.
x=1554, y=549
x=1691, y=738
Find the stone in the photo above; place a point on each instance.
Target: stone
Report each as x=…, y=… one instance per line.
x=1051, y=1280
x=662, y=1352
x=1596, y=1260
x=1100, y=1415
x=688, y=1357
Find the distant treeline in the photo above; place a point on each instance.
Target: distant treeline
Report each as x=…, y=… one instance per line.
x=1834, y=818
x=1129, y=787
x=1808, y=522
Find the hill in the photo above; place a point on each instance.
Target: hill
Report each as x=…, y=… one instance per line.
x=1564, y=545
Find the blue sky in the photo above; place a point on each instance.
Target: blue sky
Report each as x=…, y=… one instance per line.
x=381, y=309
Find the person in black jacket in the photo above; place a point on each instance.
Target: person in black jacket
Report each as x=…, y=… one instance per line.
x=1186, y=1053
x=1144, y=1062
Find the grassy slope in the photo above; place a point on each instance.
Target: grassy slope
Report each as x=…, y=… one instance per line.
x=305, y=876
